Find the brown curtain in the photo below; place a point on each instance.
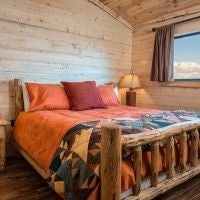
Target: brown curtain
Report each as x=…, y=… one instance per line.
x=163, y=56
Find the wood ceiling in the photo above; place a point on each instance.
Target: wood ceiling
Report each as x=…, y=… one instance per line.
x=141, y=11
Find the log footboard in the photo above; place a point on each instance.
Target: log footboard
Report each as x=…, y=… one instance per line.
x=183, y=133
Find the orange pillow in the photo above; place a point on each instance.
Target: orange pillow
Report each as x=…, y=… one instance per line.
x=108, y=95
x=47, y=97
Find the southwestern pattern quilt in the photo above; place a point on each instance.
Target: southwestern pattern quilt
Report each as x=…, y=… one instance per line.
x=75, y=167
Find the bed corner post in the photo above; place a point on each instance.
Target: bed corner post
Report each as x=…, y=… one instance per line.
x=18, y=98
x=110, y=162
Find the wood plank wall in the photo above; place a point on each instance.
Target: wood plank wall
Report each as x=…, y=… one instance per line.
x=154, y=95
x=50, y=41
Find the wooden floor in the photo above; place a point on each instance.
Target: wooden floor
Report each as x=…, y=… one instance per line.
x=20, y=182
x=189, y=190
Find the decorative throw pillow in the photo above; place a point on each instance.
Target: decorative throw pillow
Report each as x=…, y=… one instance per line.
x=108, y=95
x=83, y=95
x=47, y=97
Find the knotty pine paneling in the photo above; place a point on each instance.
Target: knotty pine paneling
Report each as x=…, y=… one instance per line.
x=50, y=41
x=145, y=12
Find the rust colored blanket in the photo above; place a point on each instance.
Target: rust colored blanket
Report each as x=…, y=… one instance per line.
x=40, y=133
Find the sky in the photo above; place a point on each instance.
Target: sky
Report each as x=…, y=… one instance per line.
x=187, y=57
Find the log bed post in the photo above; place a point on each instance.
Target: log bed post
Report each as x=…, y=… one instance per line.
x=18, y=97
x=183, y=153
x=154, y=163
x=170, y=158
x=194, y=147
x=137, y=165
x=110, y=162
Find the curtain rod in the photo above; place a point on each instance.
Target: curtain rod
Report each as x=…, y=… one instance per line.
x=154, y=29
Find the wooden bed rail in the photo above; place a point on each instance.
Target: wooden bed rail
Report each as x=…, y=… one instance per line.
x=111, y=159
x=159, y=134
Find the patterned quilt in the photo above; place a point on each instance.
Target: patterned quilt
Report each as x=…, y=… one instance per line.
x=75, y=167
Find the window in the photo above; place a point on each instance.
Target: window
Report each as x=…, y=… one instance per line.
x=187, y=57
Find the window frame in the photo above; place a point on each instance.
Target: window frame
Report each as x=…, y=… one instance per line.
x=187, y=35
x=195, y=83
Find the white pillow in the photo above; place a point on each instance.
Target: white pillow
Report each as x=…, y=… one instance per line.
x=116, y=91
x=26, y=98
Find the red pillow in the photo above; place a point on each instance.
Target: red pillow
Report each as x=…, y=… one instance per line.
x=108, y=95
x=47, y=97
x=83, y=95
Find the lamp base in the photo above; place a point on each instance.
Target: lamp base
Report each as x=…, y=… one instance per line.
x=131, y=98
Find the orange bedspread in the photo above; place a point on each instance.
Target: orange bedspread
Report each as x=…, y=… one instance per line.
x=40, y=133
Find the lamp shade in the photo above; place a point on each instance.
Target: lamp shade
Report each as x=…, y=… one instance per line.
x=130, y=81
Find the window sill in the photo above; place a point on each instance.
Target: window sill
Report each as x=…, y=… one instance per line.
x=183, y=84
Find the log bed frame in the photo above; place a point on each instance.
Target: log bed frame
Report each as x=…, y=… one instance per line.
x=112, y=144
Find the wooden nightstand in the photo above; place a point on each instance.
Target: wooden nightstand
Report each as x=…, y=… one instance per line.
x=3, y=124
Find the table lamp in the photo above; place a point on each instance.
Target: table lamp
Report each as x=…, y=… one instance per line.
x=132, y=82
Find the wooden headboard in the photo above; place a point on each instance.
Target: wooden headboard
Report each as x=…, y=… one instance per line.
x=18, y=97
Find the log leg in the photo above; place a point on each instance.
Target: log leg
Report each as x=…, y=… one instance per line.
x=110, y=163
x=137, y=160
x=194, y=148
x=154, y=163
x=170, y=158
x=183, y=147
